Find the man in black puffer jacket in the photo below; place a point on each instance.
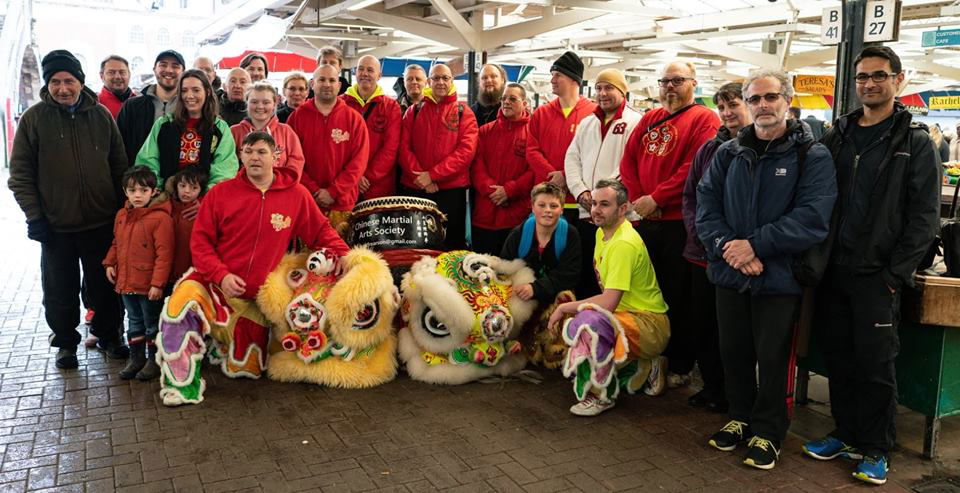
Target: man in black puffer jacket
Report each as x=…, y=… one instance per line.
x=155, y=100
x=889, y=176
x=766, y=198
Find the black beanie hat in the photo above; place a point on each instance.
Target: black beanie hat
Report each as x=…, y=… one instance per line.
x=571, y=65
x=61, y=61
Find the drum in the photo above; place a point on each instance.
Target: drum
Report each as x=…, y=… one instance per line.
x=402, y=229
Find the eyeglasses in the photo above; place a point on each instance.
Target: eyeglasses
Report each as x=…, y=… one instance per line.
x=877, y=77
x=441, y=78
x=769, y=97
x=513, y=99
x=675, y=82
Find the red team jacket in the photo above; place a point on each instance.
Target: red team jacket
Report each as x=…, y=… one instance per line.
x=243, y=231
x=440, y=139
x=657, y=162
x=288, y=144
x=335, y=148
x=501, y=160
x=382, y=115
x=550, y=134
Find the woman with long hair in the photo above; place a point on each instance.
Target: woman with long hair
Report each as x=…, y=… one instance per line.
x=261, y=117
x=193, y=135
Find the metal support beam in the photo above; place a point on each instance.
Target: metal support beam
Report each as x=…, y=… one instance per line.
x=851, y=43
x=736, y=53
x=428, y=30
x=463, y=28
x=494, y=38
x=471, y=77
x=810, y=58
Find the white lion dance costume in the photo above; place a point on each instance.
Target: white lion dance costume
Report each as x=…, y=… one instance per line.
x=461, y=317
x=335, y=332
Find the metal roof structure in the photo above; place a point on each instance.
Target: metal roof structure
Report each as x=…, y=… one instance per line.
x=724, y=40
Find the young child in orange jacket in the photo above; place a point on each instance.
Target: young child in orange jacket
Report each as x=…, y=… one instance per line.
x=138, y=265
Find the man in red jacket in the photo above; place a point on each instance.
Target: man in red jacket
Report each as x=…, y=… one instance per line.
x=335, y=146
x=654, y=168
x=553, y=125
x=437, y=146
x=115, y=74
x=241, y=233
x=502, y=179
x=382, y=116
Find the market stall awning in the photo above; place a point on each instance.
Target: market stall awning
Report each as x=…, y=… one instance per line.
x=806, y=102
x=277, y=61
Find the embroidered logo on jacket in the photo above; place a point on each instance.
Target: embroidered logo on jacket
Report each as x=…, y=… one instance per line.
x=339, y=136
x=619, y=128
x=661, y=140
x=279, y=221
x=781, y=172
x=452, y=121
x=520, y=147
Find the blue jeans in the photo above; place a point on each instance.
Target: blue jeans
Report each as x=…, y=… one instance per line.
x=143, y=316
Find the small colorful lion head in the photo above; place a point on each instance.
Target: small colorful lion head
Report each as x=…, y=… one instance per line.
x=332, y=330
x=461, y=317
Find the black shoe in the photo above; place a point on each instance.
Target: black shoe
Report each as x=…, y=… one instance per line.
x=763, y=453
x=150, y=371
x=67, y=359
x=718, y=406
x=135, y=363
x=700, y=399
x=113, y=350
x=730, y=435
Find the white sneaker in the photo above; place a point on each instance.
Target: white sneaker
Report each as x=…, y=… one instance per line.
x=657, y=380
x=675, y=381
x=591, y=406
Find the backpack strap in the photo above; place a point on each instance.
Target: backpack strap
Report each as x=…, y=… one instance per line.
x=529, y=230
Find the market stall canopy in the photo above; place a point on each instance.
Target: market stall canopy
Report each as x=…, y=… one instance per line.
x=277, y=61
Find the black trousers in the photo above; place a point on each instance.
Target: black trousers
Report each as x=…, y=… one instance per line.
x=703, y=318
x=453, y=203
x=489, y=241
x=665, y=241
x=757, y=331
x=61, y=259
x=857, y=331
x=588, y=285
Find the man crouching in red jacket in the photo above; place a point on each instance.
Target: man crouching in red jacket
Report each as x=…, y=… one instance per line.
x=241, y=233
x=437, y=144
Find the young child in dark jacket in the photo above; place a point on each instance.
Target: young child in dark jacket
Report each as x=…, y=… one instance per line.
x=138, y=265
x=186, y=188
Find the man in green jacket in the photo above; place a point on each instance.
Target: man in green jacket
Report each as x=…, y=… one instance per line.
x=65, y=172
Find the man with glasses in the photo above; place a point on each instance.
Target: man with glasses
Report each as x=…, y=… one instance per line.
x=437, y=145
x=766, y=198
x=888, y=174
x=654, y=168
x=594, y=155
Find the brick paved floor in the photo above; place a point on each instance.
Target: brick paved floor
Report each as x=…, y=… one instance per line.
x=86, y=430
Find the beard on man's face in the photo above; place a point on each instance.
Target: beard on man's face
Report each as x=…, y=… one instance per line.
x=488, y=98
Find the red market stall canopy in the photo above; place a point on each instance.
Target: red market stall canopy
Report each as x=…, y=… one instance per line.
x=276, y=61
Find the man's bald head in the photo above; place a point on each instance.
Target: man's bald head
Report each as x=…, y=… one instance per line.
x=677, y=85
x=238, y=81
x=685, y=68
x=368, y=75
x=326, y=83
x=441, y=81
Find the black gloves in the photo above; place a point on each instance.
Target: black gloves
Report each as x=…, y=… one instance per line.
x=39, y=230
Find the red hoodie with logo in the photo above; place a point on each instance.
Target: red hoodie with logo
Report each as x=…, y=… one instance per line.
x=244, y=231
x=441, y=139
x=550, y=134
x=288, y=144
x=382, y=115
x=335, y=149
x=502, y=160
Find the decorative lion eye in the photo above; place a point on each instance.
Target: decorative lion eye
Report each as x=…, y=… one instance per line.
x=367, y=316
x=433, y=325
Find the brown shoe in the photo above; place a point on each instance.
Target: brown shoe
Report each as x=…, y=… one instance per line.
x=91, y=342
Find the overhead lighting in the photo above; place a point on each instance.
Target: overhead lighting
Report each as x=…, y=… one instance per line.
x=362, y=5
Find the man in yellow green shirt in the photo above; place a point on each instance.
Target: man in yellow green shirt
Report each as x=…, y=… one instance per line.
x=615, y=337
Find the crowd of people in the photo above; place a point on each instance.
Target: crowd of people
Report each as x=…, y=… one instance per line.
x=682, y=231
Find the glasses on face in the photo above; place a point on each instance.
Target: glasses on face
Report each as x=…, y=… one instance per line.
x=770, y=97
x=877, y=77
x=513, y=99
x=675, y=81
x=441, y=78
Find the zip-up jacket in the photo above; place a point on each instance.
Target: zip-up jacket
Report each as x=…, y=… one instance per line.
x=780, y=206
x=335, y=149
x=693, y=249
x=182, y=230
x=656, y=162
x=244, y=231
x=501, y=160
x=440, y=137
x=232, y=112
x=550, y=134
x=161, y=151
x=112, y=102
x=142, y=248
x=136, y=118
x=553, y=274
x=66, y=166
x=901, y=204
x=288, y=144
x=596, y=149
x=383, y=118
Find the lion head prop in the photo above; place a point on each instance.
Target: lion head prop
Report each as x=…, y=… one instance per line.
x=328, y=330
x=461, y=317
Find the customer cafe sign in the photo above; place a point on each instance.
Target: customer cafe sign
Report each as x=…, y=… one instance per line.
x=814, y=84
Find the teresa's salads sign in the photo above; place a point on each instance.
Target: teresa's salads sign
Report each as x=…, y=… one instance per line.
x=814, y=84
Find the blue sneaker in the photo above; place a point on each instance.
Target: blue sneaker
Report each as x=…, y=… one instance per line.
x=872, y=470
x=829, y=448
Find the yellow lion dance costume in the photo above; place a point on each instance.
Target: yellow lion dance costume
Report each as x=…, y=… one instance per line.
x=461, y=317
x=327, y=330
